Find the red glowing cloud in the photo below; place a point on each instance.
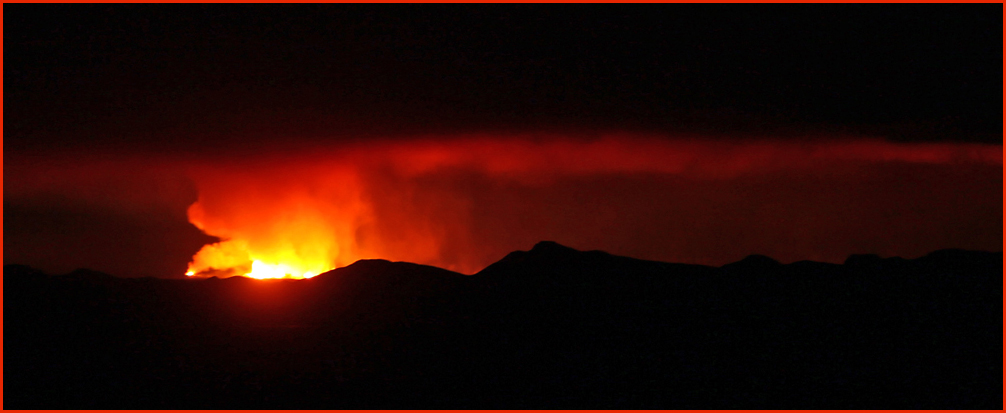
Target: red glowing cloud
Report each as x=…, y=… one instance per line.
x=463, y=202
x=444, y=201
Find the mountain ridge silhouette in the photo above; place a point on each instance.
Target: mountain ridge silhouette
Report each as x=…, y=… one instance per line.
x=554, y=250
x=550, y=327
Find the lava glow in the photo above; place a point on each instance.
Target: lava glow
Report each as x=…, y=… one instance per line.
x=297, y=215
x=262, y=270
x=276, y=225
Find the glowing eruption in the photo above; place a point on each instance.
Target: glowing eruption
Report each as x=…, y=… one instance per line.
x=301, y=214
x=276, y=224
x=262, y=270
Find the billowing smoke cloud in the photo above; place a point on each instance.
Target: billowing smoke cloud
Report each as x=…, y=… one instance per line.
x=463, y=202
x=431, y=200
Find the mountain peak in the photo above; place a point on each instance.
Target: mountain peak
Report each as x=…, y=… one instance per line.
x=382, y=267
x=753, y=262
x=551, y=247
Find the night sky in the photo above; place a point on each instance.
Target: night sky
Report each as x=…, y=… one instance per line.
x=452, y=135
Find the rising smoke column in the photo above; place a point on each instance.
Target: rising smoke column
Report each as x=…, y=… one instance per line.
x=419, y=200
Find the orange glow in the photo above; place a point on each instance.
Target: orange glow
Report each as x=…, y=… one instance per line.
x=301, y=214
x=278, y=225
x=261, y=270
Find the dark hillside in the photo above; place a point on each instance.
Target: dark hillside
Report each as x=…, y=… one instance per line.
x=552, y=327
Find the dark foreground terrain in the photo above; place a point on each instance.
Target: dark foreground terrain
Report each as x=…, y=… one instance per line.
x=549, y=328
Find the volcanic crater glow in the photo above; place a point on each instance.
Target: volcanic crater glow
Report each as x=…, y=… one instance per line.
x=299, y=216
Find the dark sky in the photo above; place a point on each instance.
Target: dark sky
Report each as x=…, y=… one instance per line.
x=110, y=108
x=120, y=74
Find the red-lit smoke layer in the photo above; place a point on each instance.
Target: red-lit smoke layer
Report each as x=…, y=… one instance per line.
x=461, y=203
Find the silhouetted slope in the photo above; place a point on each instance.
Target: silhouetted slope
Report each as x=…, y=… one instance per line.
x=551, y=327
